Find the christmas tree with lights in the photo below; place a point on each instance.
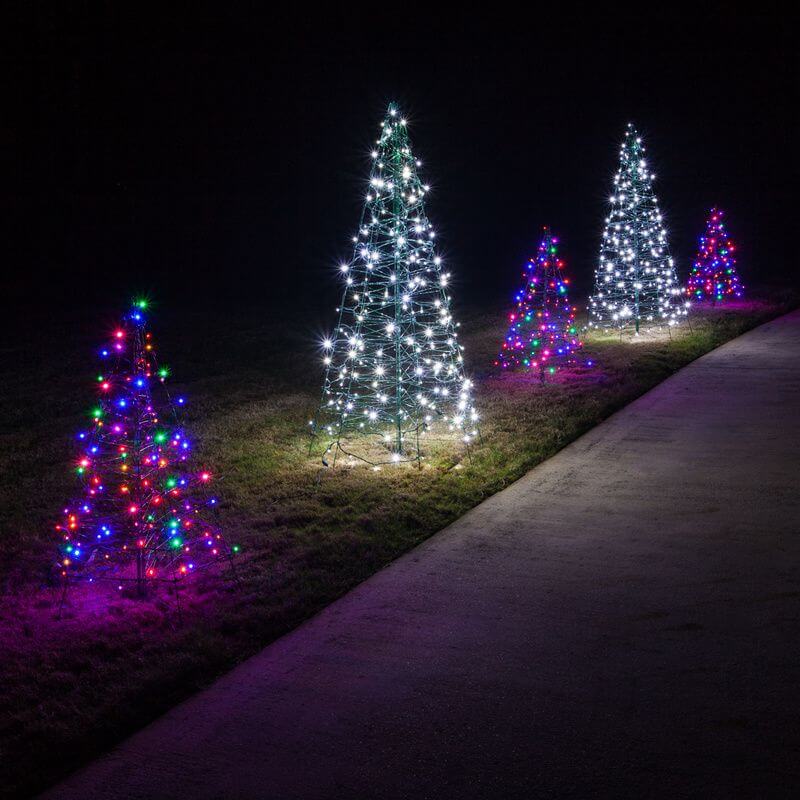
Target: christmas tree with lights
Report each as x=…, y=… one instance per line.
x=144, y=514
x=713, y=276
x=635, y=280
x=394, y=365
x=543, y=335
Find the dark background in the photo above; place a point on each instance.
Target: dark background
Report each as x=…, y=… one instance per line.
x=219, y=154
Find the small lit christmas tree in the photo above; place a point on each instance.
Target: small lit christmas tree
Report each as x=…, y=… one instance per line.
x=635, y=280
x=713, y=276
x=394, y=365
x=144, y=514
x=543, y=335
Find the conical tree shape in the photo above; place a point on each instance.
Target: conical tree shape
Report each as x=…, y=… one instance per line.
x=713, y=276
x=395, y=367
x=543, y=335
x=144, y=514
x=635, y=280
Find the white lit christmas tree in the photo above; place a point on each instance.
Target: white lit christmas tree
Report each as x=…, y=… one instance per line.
x=394, y=365
x=635, y=280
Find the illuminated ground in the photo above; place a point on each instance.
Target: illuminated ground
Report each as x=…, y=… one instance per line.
x=622, y=621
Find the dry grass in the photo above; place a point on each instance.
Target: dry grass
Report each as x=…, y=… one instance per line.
x=73, y=686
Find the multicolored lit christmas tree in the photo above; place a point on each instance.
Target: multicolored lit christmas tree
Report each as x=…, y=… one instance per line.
x=713, y=276
x=394, y=365
x=635, y=280
x=543, y=335
x=144, y=514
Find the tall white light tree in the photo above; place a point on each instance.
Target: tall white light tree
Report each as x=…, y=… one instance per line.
x=635, y=279
x=394, y=365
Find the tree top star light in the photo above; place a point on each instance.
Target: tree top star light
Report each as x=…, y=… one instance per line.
x=394, y=364
x=713, y=276
x=635, y=279
x=144, y=514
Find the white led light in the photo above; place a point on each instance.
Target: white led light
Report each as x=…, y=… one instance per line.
x=399, y=294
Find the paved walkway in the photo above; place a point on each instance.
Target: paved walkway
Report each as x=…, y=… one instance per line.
x=622, y=621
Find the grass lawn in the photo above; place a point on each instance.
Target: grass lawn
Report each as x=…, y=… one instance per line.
x=72, y=687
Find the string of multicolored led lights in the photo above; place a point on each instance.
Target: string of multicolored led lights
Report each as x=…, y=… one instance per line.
x=714, y=277
x=394, y=365
x=543, y=335
x=144, y=514
x=635, y=280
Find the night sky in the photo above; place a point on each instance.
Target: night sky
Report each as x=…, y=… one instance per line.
x=220, y=156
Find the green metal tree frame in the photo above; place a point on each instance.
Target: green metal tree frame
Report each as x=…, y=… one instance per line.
x=635, y=279
x=394, y=365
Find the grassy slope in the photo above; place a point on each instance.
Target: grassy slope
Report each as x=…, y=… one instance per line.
x=73, y=686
